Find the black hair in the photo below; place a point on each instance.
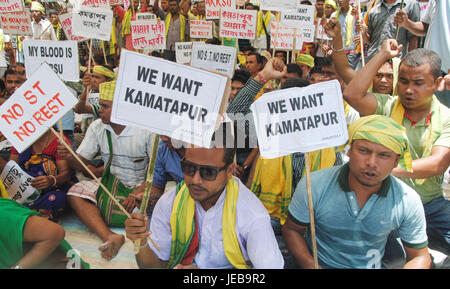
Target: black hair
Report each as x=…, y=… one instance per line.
x=223, y=138
x=52, y=11
x=294, y=82
x=259, y=57
x=421, y=56
x=316, y=69
x=214, y=41
x=9, y=71
x=241, y=75
x=294, y=68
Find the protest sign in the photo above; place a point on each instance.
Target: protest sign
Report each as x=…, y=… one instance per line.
x=115, y=2
x=201, y=29
x=35, y=106
x=61, y=56
x=66, y=23
x=145, y=16
x=17, y=23
x=321, y=34
x=313, y=114
x=221, y=59
x=236, y=23
x=284, y=40
x=304, y=15
x=92, y=99
x=148, y=34
x=278, y=5
x=92, y=23
x=3, y=64
x=168, y=98
x=213, y=7
x=7, y=6
x=183, y=51
x=18, y=183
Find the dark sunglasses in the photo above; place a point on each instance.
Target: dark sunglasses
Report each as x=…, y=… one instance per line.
x=206, y=172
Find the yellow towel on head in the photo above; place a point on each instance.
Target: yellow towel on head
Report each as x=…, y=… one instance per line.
x=104, y=71
x=305, y=59
x=106, y=90
x=36, y=6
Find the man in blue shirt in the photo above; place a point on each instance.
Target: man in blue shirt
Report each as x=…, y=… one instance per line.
x=360, y=204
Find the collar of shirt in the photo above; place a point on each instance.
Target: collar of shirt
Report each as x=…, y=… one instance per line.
x=413, y=122
x=126, y=131
x=343, y=181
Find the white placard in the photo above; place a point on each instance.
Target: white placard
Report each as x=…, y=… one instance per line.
x=35, y=106
x=238, y=23
x=284, y=40
x=148, y=34
x=221, y=59
x=278, y=5
x=92, y=23
x=3, y=63
x=168, y=98
x=183, y=51
x=213, y=7
x=321, y=34
x=145, y=16
x=66, y=23
x=7, y=6
x=18, y=183
x=304, y=15
x=92, y=99
x=313, y=114
x=201, y=29
x=16, y=23
x=62, y=56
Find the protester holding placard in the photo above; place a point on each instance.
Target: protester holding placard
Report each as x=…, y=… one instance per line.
x=125, y=152
x=41, y=27
x=235, y=227
x=177, y=29
x=360, y=204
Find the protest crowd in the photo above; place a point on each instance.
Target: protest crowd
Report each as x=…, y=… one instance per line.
x=240, y=134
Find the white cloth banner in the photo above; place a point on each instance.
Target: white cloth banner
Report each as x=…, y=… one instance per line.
x=92, y=23
x=221, y=59
x=35, y=107
x=313, y=114
x=18, y=183
x=168, y=98
x=62, y=56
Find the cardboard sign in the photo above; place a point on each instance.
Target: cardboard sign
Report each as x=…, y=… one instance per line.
x=304, y=15
x=313, y=114
x=148, y=34
x=92, y=23
x=18, y=183
x=7, y=6
x=61, y=56
x=238, y=23
x=102, y=4
x=66, y=23
x=221, y=59
x=17, y=23
x=35, y=106
x=168, y=98
x=145, y=16
x=201, y=29
x=213, y=7
x=278, y=5
x=183, y=51
x=284, y=40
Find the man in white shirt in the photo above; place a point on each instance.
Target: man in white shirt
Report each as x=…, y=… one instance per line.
x=42, y=29
x=230, y=226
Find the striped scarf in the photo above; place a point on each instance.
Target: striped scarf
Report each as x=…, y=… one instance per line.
x=272, y=184
x=183, y=225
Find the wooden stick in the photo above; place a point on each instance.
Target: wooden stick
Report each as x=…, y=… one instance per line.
x=293, y=49
x=398, y=27
x=90, y=172
x=89, y=68
x=276, y=35
x=311, y=211
x=361, y=43
x=61, y=131
x=148, y=186
x=104, y=53
x=39, y=37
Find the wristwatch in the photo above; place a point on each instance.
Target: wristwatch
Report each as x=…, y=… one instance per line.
x=245, y=167
x=18, y=266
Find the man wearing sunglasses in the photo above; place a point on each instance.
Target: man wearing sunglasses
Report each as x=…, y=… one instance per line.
x=211, y=220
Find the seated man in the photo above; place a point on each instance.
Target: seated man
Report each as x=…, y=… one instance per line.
x=427, y=123
x=359, y=204
x=126, y=152
x=230, y=227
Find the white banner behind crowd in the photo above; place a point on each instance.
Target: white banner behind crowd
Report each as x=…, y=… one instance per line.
x=18, y=183
x=313, y=114
x=217, y=58
x=34, y=107
x=92, y=23
x=61, y=56
x=168, y=98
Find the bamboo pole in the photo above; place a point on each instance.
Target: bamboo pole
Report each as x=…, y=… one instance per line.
x=148, y=186
x=361, y=42
x=311, y=212
x=398, y=27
